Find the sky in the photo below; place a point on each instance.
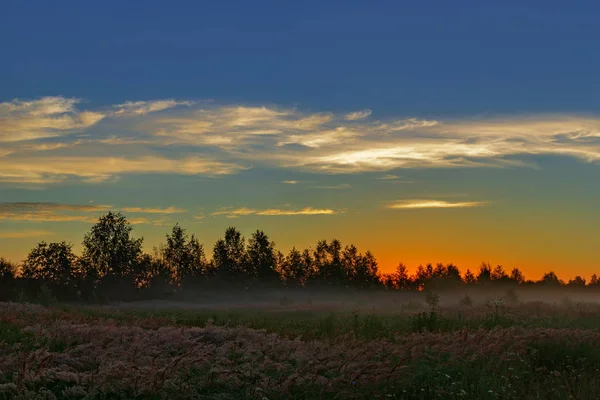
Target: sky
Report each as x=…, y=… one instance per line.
x=423, y=131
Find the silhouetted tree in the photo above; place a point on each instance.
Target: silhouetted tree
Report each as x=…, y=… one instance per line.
x=229, y=255
x=365, y=272
x=498, y=274
x=8, y=273
x=401, y=277
x=157, y=276
x=296, y=268
x=517, y=276
x=329, y=267
x=485, y=273
x=184, y=255
x=550, y=278
x=111, y=256
x=8, y=270
x=55, y=265
x=469, y=278
x=577, y=282
x=261, y=257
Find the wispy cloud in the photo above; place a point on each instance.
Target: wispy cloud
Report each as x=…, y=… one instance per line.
x=45, y=216
x=40, y=206
x=50, y=212
x=338, y=186
x=190, y=138
x=147, y=107
x=25, y=234
x=147, y=210
x=235, y=213
x=388, y=177
x=94, y=169
x=412, y=204
x=290, y=182
x=87, y=213
x=43, y=118
x=354, y=116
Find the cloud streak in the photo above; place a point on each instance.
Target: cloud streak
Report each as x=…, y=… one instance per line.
x=240, y=212
x=25, y=234
x=354, y=116
x=168, y=210
x=420, y=204
x=96, y=169
x=130, y=108
x=56, y=212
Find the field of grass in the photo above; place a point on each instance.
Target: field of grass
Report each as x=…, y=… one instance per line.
x=498, y=350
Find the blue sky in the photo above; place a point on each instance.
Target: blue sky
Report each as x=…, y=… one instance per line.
x=487, y=110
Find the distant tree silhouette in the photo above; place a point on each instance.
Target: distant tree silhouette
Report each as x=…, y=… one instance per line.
x=403, y=280
x=183, y=256
x=55, y=265
x=577, y=282
x=485, y=273
x=113, y=267
x=229, y=255
x=517, y=276
x=111, y=257
x=498, y=274
x=469, y=278
x=550, y=278
x=296, y=268
x=329, y=267
x=8, y=273
x=363, y=271
x=8, y=270
x=262, y=257
x=423, y=276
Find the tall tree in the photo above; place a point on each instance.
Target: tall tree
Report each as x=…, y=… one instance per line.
x=184, y=255
x=8, y=270
x=485, y=273
x=577, y=282
x=328, y=262
x=295, y=269
x=8, y=273
x=550, y=278
x=53, y=263
x=261, y=256
x=111, y=255
x=517, y=276
x=366, y=271
x=401, y=277
x=229, y=254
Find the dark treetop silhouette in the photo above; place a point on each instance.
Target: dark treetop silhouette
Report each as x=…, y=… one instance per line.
x=113, y=267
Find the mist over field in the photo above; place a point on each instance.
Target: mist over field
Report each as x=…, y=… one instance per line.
x=299, y=200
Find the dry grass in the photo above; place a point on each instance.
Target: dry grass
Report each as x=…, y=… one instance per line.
x=74, y=354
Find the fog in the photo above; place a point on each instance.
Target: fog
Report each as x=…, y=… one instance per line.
x=340, y=300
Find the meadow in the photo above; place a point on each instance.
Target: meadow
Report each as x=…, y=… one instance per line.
x=422, y=346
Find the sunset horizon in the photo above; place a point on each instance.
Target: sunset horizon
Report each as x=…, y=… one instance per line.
x=269, y=200
x=421, y=135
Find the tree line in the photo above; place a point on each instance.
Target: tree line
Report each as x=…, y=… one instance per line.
x=113, y=266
